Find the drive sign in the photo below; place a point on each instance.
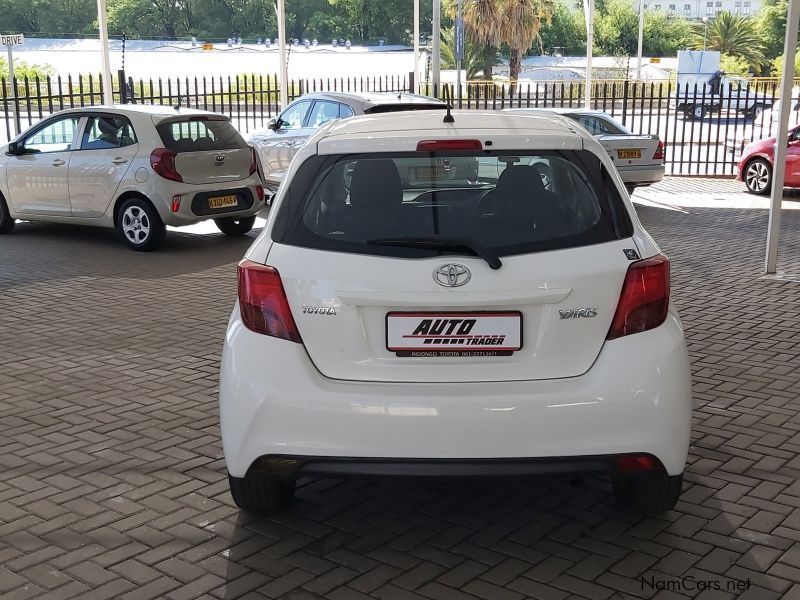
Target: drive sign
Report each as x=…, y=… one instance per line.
x=13, y=39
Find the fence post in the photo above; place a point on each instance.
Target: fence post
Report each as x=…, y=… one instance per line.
x=411, y=81
x=123, y=84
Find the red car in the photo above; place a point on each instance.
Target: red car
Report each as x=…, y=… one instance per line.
x=757, y=161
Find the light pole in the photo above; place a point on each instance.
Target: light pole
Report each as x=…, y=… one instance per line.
x=102, y=24
x=416, y=46
x=641, y=38
x=705, y=27
x=283, y=67
x=588, y=7
x=436, y=59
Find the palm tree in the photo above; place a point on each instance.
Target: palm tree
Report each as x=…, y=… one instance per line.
x=515, y=23
x=475, y=56
x=731, y=34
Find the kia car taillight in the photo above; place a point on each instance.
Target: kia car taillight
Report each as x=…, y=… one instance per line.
x=263, y=304
x=644, y=300
x=253, y=161
x=163, y=163
x=659, y=155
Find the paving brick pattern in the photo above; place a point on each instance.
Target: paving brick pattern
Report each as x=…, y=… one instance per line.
x=112, y=483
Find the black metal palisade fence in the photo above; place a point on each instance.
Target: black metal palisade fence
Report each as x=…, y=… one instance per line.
x=703, y=132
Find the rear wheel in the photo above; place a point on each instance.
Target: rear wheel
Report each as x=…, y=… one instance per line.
x=758, y=176
x=755, y=112
x=140, y=225
x=235, y=225
x=697, y=112
x=648, y=493
x=7, y=222
x=261, y=494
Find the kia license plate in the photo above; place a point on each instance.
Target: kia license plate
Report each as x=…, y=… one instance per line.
x=635, y=153
x=222, y=202
x=423, y=334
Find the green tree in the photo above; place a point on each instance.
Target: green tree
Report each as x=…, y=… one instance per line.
x=567, y=31
x=57, y=17
x=23, y=69
x=733, y=35
x=664, y=34
x=475, y=55
x=616, y=29
x=770, y=23
x=734, y=65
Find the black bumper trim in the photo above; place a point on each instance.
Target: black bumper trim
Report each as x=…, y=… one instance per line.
x=329, y=466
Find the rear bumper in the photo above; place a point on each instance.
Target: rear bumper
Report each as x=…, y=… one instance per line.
x=635, y=399
x=187, y=213
x=644, y=175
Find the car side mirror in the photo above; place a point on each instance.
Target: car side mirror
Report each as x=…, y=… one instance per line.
x=274, y=124
x=15, y=149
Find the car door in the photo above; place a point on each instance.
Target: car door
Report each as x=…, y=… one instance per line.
x=107, y=146
x=278, y=149
x=38, y=177
x=792, y=174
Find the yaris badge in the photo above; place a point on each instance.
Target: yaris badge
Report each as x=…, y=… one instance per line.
x=452, y=275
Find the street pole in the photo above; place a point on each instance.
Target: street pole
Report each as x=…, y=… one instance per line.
x=13, y=87
x=641, y=39
x=436, y=59
x=459, y=47
x=416, y=46
x=283, y=70
x=102, y=23
x=782, y=139
x=588, y=6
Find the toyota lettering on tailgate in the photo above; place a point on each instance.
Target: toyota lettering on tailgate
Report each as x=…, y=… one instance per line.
x=453, y=334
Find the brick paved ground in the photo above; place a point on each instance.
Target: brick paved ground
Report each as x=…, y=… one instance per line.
x=112, y=483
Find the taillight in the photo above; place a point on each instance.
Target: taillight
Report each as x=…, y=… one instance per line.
x=637, y=463
x=443, y=145
x=260, y=193
x=263, y=304
x=659, y=155
x=644, y=300
x=163, y=163
x=176, y=203
x=253, y=161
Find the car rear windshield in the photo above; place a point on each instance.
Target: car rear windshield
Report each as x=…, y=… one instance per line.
x=504, y=202
x=196, y=134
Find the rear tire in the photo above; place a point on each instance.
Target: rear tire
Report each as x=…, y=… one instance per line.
x=758, y=177
x=7, y=222
x=235, y=225
x=649, y=493
x=697, y=112
x=261, y=494
x=755, y=112
x=140, y=225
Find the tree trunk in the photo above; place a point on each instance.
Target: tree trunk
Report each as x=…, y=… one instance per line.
x=514, y=67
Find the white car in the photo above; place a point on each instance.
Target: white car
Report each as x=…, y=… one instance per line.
x=740, y=134
x=519, y=327
x=136, y=168
x=639, y=158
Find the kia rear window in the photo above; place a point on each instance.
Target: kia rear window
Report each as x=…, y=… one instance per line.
x=198, y=134
x=404, y=204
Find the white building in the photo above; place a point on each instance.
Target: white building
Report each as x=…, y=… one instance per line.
x=697, y=9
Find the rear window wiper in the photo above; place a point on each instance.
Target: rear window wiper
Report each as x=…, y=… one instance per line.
x=443, y=243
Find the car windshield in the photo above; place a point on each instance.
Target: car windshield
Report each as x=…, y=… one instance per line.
x=486, y=204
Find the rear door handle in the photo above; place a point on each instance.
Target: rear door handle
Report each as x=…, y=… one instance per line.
x=119, y=160
x=57, y=162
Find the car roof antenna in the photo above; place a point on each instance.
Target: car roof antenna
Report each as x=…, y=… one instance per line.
x=448, y=118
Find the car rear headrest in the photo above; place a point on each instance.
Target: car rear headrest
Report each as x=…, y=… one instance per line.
x=375, y=181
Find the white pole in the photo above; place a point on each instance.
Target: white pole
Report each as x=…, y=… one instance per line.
x=641, y=38
x=588, y=6
x=416, y=46
x=459, y=17
x=283, y=70
x=436, y=59
x=782, y=139
x=13, y=87
x=102, y=23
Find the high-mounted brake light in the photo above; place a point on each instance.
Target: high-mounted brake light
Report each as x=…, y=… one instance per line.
x=263, y=304
x=644, y=300
x=163, y=163
x=659, y=155
x=445, y=145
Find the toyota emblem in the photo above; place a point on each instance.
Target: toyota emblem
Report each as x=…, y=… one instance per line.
x=452, y=275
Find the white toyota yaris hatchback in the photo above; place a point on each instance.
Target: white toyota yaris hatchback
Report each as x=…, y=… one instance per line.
x=520, y=325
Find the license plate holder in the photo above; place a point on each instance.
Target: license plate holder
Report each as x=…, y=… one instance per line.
x=453, y=334
x=220, y=202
